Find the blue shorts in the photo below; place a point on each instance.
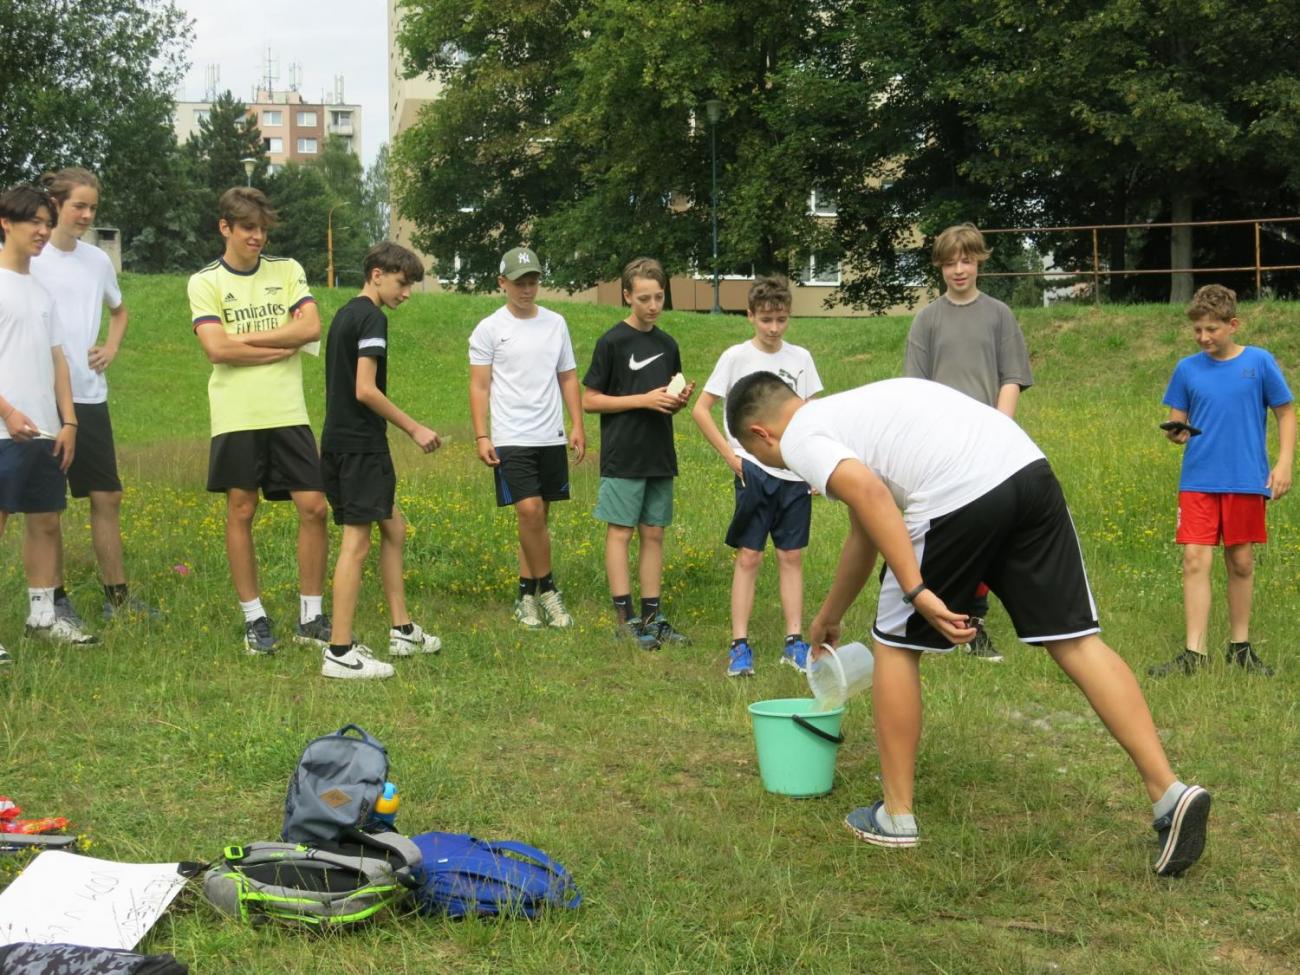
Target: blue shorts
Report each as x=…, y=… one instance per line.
x=30, y=479
x=767, y=505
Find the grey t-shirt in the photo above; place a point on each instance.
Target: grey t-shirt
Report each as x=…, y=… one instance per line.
x=976, y=348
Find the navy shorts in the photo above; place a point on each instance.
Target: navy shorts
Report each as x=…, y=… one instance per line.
x=361, y=488
x=279, y=460
x=94, y=465
x=767, y=505
x=1019, y=538
x=531, y=472
x=30, y=479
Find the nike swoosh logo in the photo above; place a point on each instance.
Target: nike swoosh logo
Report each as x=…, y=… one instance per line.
x=356, y=666
x=634, y=365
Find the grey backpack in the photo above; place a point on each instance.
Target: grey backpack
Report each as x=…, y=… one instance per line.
x=321, y=887
x=334, y=788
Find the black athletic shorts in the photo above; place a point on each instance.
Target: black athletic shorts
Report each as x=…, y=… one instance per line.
x=531, y=472
x=1019, y=538
x=768, y=505
x=30, y=479
x=279, y=461
x=361, y=488
x=94, y=465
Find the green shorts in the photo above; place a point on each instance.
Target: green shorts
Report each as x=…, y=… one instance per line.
x=631, y=501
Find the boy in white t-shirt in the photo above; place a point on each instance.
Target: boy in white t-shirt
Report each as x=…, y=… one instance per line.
x=38, y=439
x=953, y=493
x=769, y=500
x=82, y=281
x=522, y=371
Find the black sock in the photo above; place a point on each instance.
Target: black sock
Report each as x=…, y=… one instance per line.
x=545, y=583
x=406, y=629
x=793, y=638
x=115, y=594
x=649, y=606
x=738, y=641
x=623, y=607
x=60, y=592
x=1238, y=647
x=337, y=650
x=527, y=587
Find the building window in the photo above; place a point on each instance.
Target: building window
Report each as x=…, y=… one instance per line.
x=823, y=270
x=307, y=146
x=307, y=119
x=341, y=120
x=273, y=144
x=275, y=117
x=200, y=115
x=822, y=204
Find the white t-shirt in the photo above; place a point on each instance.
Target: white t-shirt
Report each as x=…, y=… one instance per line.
x=525, y=354
x=29, y=328
x=936, y=449
x=80, y=281
x=792, y=363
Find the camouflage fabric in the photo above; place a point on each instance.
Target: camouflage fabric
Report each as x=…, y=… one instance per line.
x=25, y=958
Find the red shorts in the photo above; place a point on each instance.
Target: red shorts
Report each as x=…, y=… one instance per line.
x=1207, y=519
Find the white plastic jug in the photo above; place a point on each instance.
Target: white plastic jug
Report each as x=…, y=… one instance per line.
x=837, y=675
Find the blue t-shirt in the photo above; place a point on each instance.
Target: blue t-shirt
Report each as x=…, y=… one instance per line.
x=1228, y=401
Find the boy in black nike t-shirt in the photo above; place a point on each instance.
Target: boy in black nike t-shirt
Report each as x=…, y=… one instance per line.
x=627, y=384
x=358, y=468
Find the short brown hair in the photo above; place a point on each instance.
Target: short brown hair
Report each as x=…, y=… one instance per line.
x=393, y=259
x=644, y=267
x=245, y=203
x=770, y=292
x=963, y=238
x=61, y=184
x=1213, y=301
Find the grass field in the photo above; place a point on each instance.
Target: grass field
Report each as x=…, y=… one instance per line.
x=637, y=770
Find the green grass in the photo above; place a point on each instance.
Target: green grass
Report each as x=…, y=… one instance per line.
x=638, y=770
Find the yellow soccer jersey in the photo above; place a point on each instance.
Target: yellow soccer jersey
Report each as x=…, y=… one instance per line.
x=252, y=397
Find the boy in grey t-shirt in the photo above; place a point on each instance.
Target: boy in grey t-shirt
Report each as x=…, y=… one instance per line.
x=969, y=341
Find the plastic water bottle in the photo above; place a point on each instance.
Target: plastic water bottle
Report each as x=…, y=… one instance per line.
x=837, y=675
x=386, y=806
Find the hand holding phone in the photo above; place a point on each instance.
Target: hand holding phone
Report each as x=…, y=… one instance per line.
x=1178, y=426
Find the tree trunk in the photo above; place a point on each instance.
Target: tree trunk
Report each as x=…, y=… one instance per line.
x=1180, y=247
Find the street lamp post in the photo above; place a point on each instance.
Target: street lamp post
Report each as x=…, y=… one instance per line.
x=713, y=110
x=250, y=163
x=329, y=244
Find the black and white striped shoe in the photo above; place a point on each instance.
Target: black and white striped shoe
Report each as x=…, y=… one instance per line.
x=1182, y=832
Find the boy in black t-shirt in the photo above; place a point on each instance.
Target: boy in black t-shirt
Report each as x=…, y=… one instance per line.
x=357, y=467
x=628, y=384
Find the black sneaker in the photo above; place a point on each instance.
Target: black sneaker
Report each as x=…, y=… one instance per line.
x=315, y=632
x=1182, y=832
x=64, y=610
x=1244, y=656
x=1187, y=662
x=664, y=631
x=982, y=648
x=259, y=641
x=633, y=630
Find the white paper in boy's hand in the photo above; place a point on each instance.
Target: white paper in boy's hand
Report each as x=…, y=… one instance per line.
x=676, y=385
x=311, y=348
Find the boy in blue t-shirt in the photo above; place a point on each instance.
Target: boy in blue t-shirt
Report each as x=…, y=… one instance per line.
x=1223, y=394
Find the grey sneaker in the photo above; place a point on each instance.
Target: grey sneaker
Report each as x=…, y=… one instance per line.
x=528, y=612
x=315, y=632
x=982, y=648
x=64, y=610
x=1243, y=655
x=665, y=632
x=259, y=641
x=1181, y=833
x=408, y=644
x=132, y=609
x=63, y=630
x=553, y=609
x=634, y=631
x=1187, y=662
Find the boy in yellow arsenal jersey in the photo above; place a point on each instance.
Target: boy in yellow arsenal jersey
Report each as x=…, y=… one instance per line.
x=253, y=314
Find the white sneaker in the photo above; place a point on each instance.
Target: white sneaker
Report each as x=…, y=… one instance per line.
x=62, y=629
x=553, y=607
x=5, y=659
x=357, y=664
x=528, y=612
x=417, y=641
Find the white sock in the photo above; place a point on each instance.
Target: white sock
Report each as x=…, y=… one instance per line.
x=252, y=609
x=903, y=823
x=41, y=603
x=1165, y=804
x=309, y=608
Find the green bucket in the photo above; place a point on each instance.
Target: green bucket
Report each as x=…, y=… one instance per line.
x=796, y=745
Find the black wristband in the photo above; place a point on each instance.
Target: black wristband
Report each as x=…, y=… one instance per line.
x=909, y=596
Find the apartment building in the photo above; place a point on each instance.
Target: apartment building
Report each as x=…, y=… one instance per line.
x=293, y=129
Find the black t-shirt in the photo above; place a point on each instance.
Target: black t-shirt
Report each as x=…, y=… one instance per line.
x=359, y=329
x=634, y=443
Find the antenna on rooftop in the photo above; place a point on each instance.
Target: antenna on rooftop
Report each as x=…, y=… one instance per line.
x=295, y=76
x=271, y=73
x=338, y=89
x=211, y=82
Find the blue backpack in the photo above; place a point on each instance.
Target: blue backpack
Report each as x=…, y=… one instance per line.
x=465, y=875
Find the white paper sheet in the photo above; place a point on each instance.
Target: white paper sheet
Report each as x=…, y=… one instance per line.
x=71, y=899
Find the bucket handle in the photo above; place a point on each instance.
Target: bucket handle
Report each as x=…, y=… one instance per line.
x=807, y=725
